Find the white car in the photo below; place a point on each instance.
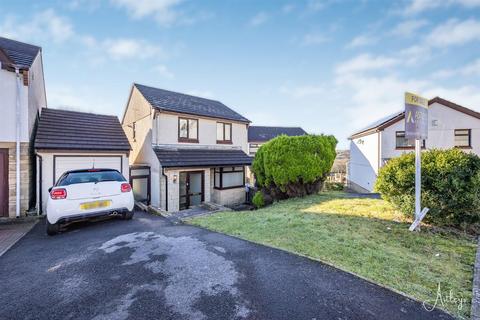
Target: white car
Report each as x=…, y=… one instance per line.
x=83, y=194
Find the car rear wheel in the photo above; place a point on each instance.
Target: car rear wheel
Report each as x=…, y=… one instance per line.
x=52, y=229
x=127, y=215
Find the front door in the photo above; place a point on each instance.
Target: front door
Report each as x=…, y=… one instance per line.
x=3, y=182
x=191, y=189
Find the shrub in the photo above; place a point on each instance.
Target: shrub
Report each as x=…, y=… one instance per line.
x=333, y=186
x=294, y=166
x=258, y=200
x=450, y=186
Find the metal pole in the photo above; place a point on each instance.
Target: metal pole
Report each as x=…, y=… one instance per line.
x=418, y=178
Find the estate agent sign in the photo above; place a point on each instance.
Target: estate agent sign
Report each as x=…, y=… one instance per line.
x=416, y=117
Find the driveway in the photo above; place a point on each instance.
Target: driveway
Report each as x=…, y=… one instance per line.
x=147, y=268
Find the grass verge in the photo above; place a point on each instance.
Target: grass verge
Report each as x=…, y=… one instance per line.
x=364, y=236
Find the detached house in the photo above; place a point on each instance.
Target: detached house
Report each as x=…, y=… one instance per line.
x=449, y=126
x=185, y=149
x=22, y=97
x=258, y=135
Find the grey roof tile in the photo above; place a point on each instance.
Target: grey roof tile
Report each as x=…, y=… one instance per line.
x=72, y=130
x=262, y=133
x=201, y=157
x=20, y=53
x=183, y=103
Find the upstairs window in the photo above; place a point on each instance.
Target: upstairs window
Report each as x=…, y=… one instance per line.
x=224, y=132
x=463, y=138
x=187, y=130
x=403, y=143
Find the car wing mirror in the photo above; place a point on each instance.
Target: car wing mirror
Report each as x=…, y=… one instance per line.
x=50, y=189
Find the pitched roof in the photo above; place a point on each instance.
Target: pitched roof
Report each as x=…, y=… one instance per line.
x=72, y=130
x=262, y=133
x=164, y=100
x=189, y=157
x=391, y=119
x=18, y=52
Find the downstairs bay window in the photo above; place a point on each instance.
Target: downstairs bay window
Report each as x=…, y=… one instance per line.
x=229, y=177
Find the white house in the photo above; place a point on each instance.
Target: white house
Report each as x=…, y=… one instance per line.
x=449, y=125
x=185, y=150
x=22, y=96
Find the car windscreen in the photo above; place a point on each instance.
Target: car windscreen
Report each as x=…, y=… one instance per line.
x=90, y=176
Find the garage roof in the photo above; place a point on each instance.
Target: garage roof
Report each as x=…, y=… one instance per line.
x=72, y=130
x=165, y=100
x=201, y=157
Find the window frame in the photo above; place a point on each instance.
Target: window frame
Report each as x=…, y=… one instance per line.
x=224, y=141
x=469, y=135
x=397, y=147
x=188, y=139
x=220, y=170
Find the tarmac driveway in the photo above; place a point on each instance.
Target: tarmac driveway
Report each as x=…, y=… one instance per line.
x=147, y=268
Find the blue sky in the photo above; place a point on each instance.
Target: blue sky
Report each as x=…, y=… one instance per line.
x=330, y=66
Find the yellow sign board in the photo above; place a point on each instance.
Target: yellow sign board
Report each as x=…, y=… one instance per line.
x=416, y=100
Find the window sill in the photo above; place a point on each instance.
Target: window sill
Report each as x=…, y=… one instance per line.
x=408, y=148
x=464, y=147
x=187, y=140
x=224, y=142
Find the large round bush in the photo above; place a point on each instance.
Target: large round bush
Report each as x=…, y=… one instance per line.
x=294, y=166
x=450, y=186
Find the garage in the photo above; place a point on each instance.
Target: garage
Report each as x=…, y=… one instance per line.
x=70, y=140
x=66, y=163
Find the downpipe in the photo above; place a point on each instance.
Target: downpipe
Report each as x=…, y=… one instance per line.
x=17, y=142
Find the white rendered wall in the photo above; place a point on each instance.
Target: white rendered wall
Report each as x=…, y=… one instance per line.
x=363, y=164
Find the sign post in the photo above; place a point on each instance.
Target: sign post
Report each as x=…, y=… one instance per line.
x=416, y=128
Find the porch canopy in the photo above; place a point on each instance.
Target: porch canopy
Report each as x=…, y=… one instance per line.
x=201, y=157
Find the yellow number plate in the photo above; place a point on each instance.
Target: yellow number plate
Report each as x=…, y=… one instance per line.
x=95, y=204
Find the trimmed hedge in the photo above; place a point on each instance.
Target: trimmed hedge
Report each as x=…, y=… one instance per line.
x=296, y=166
x=450, y=186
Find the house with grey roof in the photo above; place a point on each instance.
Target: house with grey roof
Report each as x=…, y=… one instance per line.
x=22, y=98
x=258, y=135
x=186, y=150
x=449, y=126
x=69, y=140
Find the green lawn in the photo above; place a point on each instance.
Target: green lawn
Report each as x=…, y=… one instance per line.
x=364, y=236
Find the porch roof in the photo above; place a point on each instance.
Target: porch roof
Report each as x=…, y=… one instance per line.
x=200, y=157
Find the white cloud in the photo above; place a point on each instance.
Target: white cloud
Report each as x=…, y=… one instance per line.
x=408, y=28
x=313, y=39
x=302, y=91
x=471, y=69
x=365, y=62
x=362, y=40
x=44, y=25
x=164, y=71
x=125, y=48
x=418, y=6
x=165, y=12
x=316, y=5
x=287, y=8
x=454, y=32
x=259, y=19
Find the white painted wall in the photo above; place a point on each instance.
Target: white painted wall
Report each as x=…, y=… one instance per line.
x=166, y=130
x=48, y=173
x=36, y=93
x=8, y=96
x=364, y=161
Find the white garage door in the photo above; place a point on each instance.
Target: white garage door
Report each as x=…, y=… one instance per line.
x=63, y=164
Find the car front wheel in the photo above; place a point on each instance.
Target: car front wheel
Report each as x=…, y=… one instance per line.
x=52, y=229
x=128, y=215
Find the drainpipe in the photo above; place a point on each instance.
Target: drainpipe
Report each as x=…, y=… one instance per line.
x=40, y=202
x=17, y=142
x=166, y=189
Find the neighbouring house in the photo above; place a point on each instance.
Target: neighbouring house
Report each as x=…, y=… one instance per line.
x=185, y=149
x=449, y=125
x=22, y=96
x=338, y=174
x=69, y=140
x=258, y=135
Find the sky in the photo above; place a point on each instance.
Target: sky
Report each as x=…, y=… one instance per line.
x=329, y=66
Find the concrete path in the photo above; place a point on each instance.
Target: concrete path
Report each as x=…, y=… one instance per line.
x=147, y=268
x=12, y=231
